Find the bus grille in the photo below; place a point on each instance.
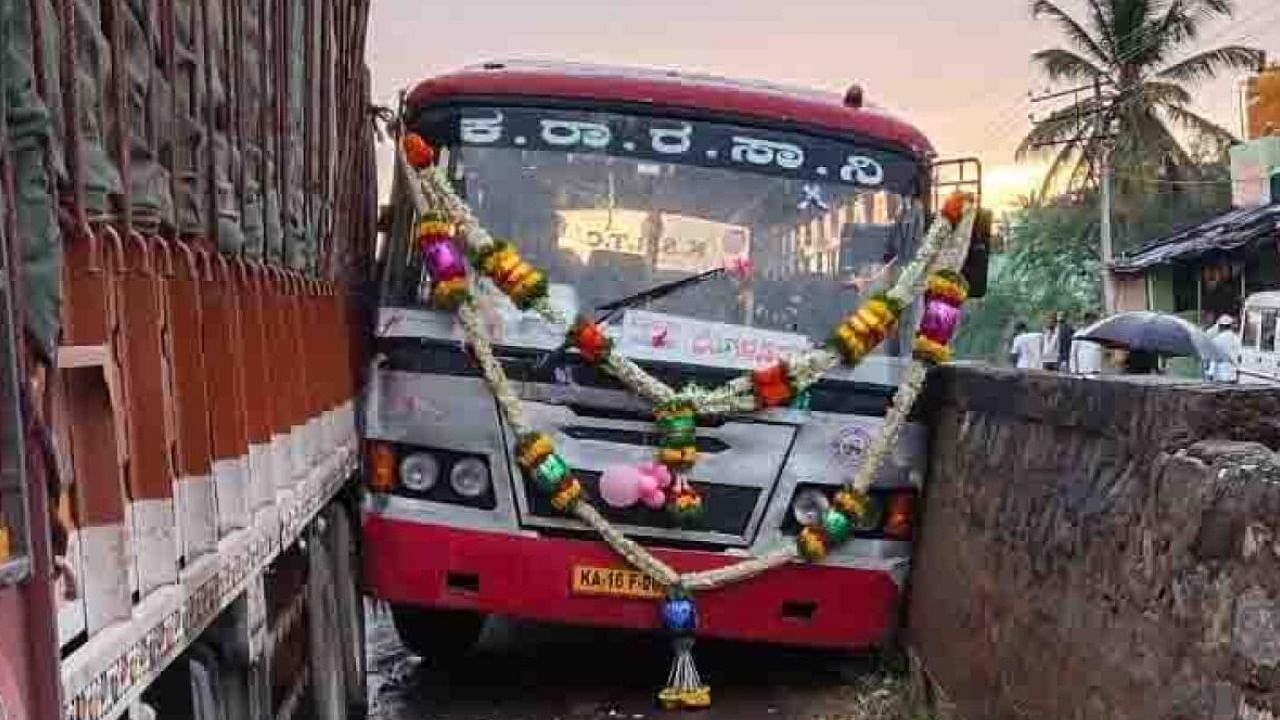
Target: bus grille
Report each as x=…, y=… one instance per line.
x=728, y=508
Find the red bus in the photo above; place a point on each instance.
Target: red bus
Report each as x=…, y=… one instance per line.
x=613, y=181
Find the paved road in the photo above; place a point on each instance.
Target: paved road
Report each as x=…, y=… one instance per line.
x=525, y=671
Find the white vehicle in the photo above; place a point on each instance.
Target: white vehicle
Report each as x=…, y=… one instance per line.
x=1259, y=358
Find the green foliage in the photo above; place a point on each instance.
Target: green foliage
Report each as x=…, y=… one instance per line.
x=1051, y=265
x=1052, y=258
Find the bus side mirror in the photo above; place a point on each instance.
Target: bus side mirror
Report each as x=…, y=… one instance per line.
x=974, y=269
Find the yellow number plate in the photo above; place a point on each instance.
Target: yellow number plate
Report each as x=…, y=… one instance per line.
x=615, y=583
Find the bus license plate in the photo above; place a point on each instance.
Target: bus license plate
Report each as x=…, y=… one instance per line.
x=614, y=582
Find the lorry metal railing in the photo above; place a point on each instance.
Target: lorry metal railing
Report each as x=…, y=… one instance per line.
x=216, y=221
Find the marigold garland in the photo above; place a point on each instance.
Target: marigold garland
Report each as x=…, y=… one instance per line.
x=590, y=341
x=677, y=435
x=417, y=151
x=432, y=190
x=525, y=284
x=931, y=273
x=443, y=261
x=865, y=328
x=772, y=386
x=550, y=474
x=945, y=292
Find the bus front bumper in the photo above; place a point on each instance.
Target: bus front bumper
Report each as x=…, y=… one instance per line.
x=532, y=577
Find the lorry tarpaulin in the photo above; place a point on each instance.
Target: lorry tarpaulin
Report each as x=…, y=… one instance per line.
x=93, y=70
x=251, y=105
x=149, y=110
x=299, y=239
x=189, y=155
x=30, y=130
x=210, y=117
x=226, y=158
x=273, y=230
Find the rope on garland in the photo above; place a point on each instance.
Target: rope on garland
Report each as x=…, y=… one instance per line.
x=944, y=248
x=746, y=569
x=630, y=550
x=477, y=239
x=430, y=188
x=491, y=368
x=931, y=274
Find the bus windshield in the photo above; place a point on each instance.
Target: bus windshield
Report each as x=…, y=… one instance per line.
x=610, y=205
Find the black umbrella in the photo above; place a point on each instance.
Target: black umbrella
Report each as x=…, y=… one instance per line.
x=1154, y=332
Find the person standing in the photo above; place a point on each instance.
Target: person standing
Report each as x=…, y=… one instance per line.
x=1227, y=341
x=1025, y=350
x=1086, y=355
x=1141, y=362
x=1051, y=342
x=1066, y=338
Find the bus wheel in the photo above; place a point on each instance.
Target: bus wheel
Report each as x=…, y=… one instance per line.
x=437, y=635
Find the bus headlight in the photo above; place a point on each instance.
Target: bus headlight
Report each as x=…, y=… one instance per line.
x=808, y=506
x=419, y=472
x=470, y=478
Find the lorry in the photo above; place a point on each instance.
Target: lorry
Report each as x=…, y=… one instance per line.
x=188, y=215
x=614, y=181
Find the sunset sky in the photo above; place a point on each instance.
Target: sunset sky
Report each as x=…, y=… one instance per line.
x=958, y=70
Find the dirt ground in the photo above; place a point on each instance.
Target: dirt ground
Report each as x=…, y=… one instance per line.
x=524, y=671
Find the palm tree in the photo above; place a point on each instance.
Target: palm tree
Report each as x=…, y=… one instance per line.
x=1138, y=50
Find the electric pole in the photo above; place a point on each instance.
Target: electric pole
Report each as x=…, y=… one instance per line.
x=1104, y=200
x=1101, y=161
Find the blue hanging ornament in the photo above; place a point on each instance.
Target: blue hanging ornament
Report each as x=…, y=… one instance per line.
x=684, y=689
x=679, y=615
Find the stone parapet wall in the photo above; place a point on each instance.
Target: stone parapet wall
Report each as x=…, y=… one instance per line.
x=1098, y=549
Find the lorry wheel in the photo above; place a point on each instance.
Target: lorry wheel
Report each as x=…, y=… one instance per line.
x=324, y=659
x=437, y=635
x=350, y=606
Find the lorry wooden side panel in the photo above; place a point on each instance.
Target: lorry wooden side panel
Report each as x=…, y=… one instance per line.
x=209, y=235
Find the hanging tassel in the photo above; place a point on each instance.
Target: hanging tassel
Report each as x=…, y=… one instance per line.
x=684, y=690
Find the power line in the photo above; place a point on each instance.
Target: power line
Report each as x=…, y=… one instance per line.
x=1148, y=36
x=1006, y=120
x=1071, y=141
x=1167, y=181
x=1145, y=38
x=1068, y=91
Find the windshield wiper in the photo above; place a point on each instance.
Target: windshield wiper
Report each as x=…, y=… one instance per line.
x=607, y=311
x=612, y=308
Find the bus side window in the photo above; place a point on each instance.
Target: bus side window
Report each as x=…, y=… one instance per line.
x=1268, y=330
x=1252, y=319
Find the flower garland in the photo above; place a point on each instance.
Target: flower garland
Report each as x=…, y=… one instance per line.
x=932, y=273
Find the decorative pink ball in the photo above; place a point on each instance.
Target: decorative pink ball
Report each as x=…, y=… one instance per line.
x=444, y=261
x=620, y=485
x=647, y=484
x=656, y=500
x=658, y=471
x=939, y=321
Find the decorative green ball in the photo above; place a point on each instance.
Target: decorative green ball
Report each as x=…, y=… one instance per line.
x=676, y=424
x=551, y=473
x=836, y=525
x=679, y=439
